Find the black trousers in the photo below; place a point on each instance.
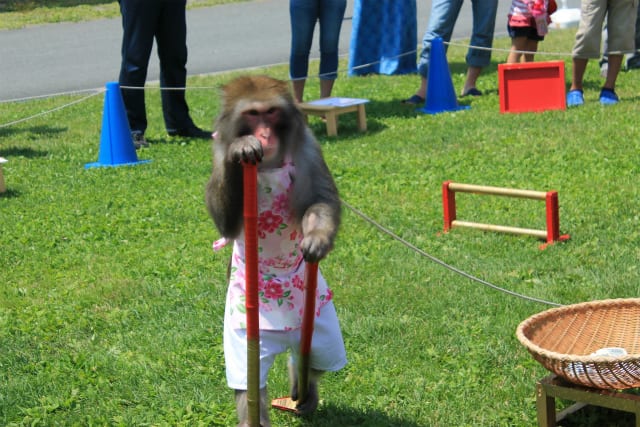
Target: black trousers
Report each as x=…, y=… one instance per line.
x=142, y=22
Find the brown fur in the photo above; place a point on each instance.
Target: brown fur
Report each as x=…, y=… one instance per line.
x=315, y=201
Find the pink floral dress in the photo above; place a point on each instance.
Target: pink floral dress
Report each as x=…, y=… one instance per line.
x=280, y=263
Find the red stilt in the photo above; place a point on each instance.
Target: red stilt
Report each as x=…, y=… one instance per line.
x=250, y=203
x=310, y=285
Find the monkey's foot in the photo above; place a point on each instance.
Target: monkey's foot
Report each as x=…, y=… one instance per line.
x=310, y=404
x=290, y=405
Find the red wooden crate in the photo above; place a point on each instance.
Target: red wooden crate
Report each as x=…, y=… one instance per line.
x=531, y=87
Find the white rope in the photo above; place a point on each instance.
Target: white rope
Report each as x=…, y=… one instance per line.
x=153, y=87
x=538, y=52
x=52, y=95
x=442, y=263
x=62, y=107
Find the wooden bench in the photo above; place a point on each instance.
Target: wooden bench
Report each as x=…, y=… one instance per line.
x=3, y=188
x=331, y=108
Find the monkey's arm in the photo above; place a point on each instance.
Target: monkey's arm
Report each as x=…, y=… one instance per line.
x=315, y=201
x=224, y=190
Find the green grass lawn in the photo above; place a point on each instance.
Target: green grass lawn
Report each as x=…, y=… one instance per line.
x=111, y=299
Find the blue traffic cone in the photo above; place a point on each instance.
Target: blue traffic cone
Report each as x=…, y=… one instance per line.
x=116, y=144
x=441, y=96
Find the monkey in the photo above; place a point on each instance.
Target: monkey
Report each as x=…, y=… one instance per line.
x=298, y=220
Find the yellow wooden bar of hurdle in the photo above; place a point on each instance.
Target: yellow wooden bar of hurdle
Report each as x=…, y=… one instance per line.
x=551, y=234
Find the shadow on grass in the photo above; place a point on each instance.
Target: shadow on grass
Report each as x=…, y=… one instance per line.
x=9, y=194
x=26, y=5
x=46, y=131
x=28, y=153
x=176, y=140
x=595, y=416
x=10, y=152
x=331, y=416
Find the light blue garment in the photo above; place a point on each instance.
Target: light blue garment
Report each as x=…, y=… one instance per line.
x=304, y=15
x=383, y=37
x=444, y=14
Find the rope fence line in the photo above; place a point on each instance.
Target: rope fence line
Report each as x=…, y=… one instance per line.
x=51, y=95
x=43, y=113
x=442, y=263
x=537, y=53
x=153, y=87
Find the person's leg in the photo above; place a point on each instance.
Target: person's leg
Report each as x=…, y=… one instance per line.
x=637, y=35
x=469, y=87
x=604, y=61
x=172, y=51
x=442, y=19
x=533, y=38
x=633, y=61
x=531, y=48
x=331, y=16
x=484, y=21
x=303, y=16
x=621, y=16
x=577, y=73
x=615, y=65
x=588, y=38
x=518, y=45
x=138, y=25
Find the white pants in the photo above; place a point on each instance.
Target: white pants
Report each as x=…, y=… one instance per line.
x=327, y=348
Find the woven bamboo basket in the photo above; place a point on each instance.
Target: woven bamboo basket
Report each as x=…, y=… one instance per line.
x=564, y=340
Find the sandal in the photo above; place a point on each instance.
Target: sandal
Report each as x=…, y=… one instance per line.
x=414, y=100
x=608, y=97
x=472, y=92
x=575, y=98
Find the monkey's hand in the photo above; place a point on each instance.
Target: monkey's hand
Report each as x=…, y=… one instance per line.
x=245, y=149
x=318, y=229
x=315, y=246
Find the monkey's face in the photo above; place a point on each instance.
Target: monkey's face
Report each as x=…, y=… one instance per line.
x=262, y=123
x=262, y=107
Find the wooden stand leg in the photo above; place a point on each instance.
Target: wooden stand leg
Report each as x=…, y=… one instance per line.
x=546, y=408
x=362, y=118
x=332, y=123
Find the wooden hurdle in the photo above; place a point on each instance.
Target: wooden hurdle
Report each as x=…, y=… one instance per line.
x=551, y=234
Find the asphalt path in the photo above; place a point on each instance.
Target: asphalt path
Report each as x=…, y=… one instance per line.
x=66, y=57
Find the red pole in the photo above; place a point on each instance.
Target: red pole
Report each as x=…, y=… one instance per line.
x=448, y=205
x=553, y=217
x=250, y=203
x=308, y=317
